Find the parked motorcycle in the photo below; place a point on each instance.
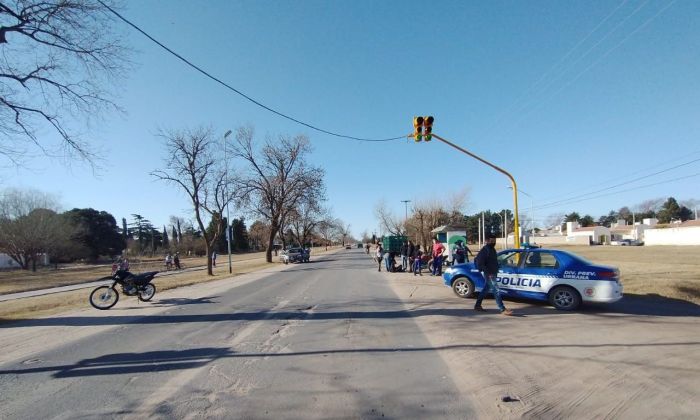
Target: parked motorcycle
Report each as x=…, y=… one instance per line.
x=139, y=285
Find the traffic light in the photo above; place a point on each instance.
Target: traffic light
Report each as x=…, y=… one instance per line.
x=428, y=124
x=418, y=129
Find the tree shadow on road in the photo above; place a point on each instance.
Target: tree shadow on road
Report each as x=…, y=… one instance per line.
x=167, y=360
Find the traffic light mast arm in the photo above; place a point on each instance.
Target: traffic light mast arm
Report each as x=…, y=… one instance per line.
x=516, y=223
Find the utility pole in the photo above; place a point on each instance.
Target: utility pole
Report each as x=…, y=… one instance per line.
x=405, y=202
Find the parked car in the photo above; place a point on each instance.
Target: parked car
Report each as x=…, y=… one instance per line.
x=562, y=278
x=348, y=246
x=293, y=255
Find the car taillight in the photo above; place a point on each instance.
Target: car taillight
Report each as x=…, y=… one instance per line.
x=607, y=274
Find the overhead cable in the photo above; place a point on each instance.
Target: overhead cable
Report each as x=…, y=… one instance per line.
x=226, y=85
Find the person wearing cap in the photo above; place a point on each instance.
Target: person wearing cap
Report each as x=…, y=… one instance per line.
x=486, y=261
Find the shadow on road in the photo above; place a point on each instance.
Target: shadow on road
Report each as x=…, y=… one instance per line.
x=631, y=305
x=167, y=360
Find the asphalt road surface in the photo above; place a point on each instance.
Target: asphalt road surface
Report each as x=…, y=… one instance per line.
x=327, y=339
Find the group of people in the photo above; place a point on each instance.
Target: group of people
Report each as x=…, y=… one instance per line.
x=172, y=261
x=486, y=262
x=413, y=257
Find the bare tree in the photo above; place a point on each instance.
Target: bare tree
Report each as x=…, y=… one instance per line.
x=30, y=226
x=259, y=233
x=388, y=220
x=191, y=164
x=303, y=220
x=278, y=178
x=326, y=228
x=56, y=59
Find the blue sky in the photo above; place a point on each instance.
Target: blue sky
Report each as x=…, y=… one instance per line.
x=570, y=97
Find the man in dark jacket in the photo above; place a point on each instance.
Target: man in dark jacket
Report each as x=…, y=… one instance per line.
x=486, y=261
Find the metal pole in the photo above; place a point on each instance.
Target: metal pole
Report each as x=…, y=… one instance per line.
x=505, y=229
x=516, y=221
x=405, y=202
x=228, y=220
x=479, y=233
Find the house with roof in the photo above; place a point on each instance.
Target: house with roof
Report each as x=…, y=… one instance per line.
x=621, y=230
x=594, y=234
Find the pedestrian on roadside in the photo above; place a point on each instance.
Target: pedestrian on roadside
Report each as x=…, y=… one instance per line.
x=460, y=253
x=389, y=260
x=404, y=255
x=168, y=262
x=486, y=261
x=378, y=255
x=176, y=260
x=438, y=249
x=213, y=259
x=417, y=266
x=411, y=250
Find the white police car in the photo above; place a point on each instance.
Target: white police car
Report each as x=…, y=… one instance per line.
x=560, y=277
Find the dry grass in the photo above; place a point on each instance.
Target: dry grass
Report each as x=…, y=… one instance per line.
x=668, y=271
x=12, y=281
x=59, y=302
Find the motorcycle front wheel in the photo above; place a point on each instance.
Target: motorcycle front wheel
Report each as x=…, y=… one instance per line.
x=147, y=292
x=104, y=297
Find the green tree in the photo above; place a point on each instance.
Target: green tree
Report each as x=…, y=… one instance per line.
x=608, y=220
x=670, y=210
x=586, y=221
x=166, y=240
x=239, y=240
x=97, y=231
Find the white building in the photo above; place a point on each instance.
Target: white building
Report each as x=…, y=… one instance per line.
x=595, y=234
x=686, y=233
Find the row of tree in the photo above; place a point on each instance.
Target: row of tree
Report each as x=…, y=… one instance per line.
x=33, y=227
x=430, y=214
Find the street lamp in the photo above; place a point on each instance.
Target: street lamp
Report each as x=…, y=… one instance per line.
x=228, y=220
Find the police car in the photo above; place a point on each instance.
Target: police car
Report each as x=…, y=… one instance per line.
x=562, y=278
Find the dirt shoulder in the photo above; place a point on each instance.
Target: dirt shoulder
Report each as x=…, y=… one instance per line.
x=637, y=358
x=60, y=302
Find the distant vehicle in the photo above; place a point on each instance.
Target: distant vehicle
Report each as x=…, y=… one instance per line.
x=348, y=246
x=293, y=255
x=563, y=279
x=360, y=246
x=626, y=242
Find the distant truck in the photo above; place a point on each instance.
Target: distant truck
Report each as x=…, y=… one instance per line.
x=393, y=243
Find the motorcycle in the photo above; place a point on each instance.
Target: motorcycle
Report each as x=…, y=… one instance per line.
x=139, y=285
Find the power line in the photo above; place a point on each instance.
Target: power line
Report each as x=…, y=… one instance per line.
x=618, y=178
x=226, y=85
x=535, y=85
x=627, y=190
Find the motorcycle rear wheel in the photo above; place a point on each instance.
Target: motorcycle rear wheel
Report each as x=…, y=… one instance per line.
x=147, y=292
x=104, y=297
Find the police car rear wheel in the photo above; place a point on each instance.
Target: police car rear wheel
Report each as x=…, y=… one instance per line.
x=463, y=287
x=564, y=298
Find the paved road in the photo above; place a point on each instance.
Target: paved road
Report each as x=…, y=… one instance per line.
x=328, y=339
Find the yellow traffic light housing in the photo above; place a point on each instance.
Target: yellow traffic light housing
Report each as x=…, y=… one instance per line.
x=428, y=124
x=418, y=128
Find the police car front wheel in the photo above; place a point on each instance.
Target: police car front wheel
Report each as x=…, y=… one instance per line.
x=463, y=287
x=564, y=298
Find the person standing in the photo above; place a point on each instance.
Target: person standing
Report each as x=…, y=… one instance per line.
x=176, y=260
x=486, y=261
x=438, y=249
x=213, y=259
x=378, y=255
x=417, y=255
x=409, y=255
x=404, y=256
